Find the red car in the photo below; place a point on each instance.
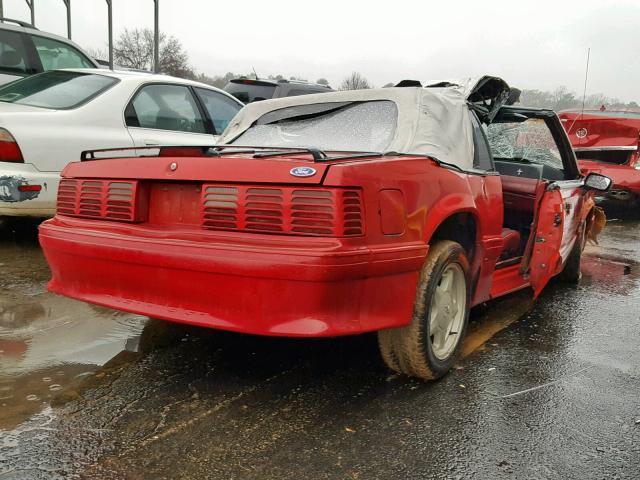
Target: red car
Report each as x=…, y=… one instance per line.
x=392, y=210
x=607, y=142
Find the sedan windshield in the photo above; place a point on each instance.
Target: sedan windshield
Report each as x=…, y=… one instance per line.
x=351, y=126
x=56, y=89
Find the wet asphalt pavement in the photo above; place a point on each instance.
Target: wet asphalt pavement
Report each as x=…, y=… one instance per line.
x=550, y=390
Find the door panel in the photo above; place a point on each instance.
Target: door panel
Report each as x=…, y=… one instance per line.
x=572, y=200
x=546, y=239
x=146, y=137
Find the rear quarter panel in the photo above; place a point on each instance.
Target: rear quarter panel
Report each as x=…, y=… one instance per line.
x=49, y=139
x=431, y=195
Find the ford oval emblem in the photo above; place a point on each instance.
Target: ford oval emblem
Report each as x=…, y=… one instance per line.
x=302, y=171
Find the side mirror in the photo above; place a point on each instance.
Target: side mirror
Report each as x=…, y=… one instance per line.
x=595, y=181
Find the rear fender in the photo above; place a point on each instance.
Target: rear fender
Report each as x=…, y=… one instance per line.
x=446, y=207
x=441, y=212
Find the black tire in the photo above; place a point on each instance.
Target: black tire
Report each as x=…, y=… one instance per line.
x=409, y=350
x=571, y=273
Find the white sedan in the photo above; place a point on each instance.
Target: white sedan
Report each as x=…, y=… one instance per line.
x=47, y=120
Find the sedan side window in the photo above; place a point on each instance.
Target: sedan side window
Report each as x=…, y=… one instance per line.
x=221, y=109
x=165, y=107
x=54, y=55
x=13, y=54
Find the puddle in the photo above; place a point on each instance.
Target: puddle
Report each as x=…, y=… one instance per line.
x=498, y=315
x=48, y=342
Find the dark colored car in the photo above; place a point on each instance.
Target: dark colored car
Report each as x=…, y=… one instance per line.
x=247, y=90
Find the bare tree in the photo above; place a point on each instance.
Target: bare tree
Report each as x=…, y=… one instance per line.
x=561, y=98
x=355, y=81
x=98, y=53
x=134, y=49
x=219, y=80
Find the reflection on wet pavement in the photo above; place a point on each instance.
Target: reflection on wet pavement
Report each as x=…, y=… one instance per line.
x=548, y=390
x=46, y=341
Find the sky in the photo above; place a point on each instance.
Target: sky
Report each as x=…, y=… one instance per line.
x=534, y=45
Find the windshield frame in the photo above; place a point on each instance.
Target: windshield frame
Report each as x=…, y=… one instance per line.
x=113, y=81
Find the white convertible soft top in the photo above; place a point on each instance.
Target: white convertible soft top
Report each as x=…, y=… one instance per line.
x=432, y=121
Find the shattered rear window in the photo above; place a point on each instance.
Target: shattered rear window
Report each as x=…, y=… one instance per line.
x=530, y=141
x=347, y=126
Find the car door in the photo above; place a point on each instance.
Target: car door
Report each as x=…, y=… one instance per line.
x=536, y=140
x=167, y=114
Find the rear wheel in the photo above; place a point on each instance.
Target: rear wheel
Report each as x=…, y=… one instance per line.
x=428, y=347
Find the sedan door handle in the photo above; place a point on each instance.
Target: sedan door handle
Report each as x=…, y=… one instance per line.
x=151, y=143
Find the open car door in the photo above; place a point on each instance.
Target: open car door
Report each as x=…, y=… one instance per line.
x=532, y=144
x=542, y=256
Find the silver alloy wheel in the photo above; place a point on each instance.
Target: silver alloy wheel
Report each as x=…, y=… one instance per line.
x=447, y=311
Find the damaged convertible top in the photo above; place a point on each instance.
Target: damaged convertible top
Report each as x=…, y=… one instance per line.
x=431, y=121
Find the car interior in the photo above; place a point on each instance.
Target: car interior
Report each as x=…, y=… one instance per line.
x=526, y=155
x=165, y=107
x=12, y=53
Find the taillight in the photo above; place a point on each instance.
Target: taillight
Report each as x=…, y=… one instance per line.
x=9, y=149
x=308, y=211
x=29, y=188
x=105, y=199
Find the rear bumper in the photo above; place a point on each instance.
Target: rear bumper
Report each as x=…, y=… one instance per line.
x=14, y=202
x=262, y=285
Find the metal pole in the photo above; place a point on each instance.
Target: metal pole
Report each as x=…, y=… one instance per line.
x=156, y=37
x=68, y=4
x=33, y=13
x=1, y=10
x=110, y=14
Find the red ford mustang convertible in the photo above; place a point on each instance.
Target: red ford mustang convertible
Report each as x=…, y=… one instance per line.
x=392, y=210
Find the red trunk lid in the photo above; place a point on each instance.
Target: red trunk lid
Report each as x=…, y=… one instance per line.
x=278, y=195
x=591, y=130
x=233, y=168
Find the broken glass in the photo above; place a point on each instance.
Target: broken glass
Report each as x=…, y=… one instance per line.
x=530, y=141
x=355, y=126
